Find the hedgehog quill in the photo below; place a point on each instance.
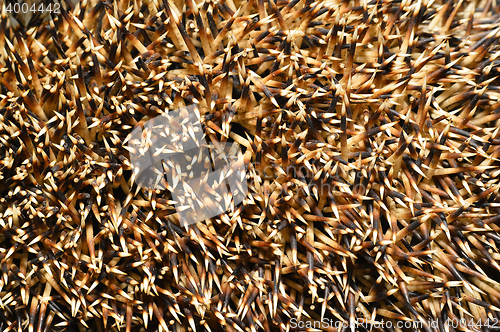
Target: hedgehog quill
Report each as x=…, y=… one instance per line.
x=370, y=133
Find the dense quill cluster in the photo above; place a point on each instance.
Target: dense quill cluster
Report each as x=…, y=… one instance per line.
x=371, y=132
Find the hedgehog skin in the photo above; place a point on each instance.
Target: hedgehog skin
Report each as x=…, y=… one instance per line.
x=371, y=130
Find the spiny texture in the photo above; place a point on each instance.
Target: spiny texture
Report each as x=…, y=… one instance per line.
x=371, y=132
